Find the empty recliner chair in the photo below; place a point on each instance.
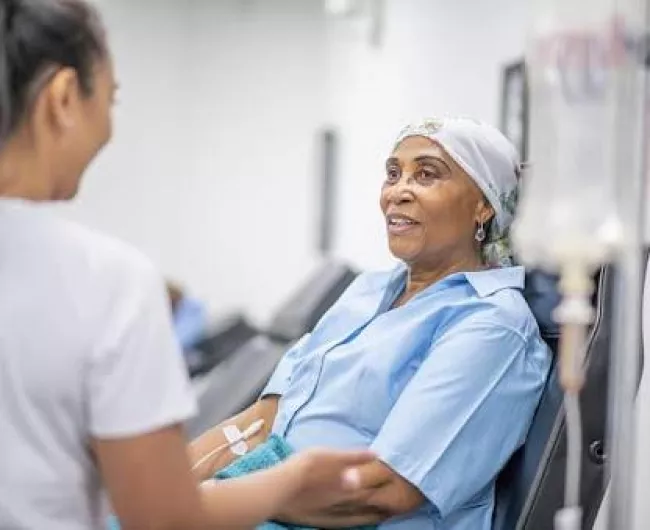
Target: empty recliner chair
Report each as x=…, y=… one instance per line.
x=236, y=382
x=224, y=338
x=530, y=490
x=301, y=313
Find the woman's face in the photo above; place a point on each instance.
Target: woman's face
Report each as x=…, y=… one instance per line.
x=432, y=207
x=75, y=126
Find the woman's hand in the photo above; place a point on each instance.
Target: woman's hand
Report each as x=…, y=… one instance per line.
x=378, y=493
x=314, y=479
x=322, y=478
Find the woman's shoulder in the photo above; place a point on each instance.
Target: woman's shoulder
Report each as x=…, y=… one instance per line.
x=500, y=301
x=510, y=306
x=64, y=248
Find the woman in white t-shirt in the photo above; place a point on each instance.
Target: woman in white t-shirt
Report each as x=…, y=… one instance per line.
x=92, y=390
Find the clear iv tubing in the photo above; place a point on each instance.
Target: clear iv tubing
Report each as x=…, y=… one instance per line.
x=574, y=449
x=572, y=347
x=576, y=313
x=251, y=431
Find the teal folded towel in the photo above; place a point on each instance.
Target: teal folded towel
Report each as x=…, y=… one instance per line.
x=264, y=456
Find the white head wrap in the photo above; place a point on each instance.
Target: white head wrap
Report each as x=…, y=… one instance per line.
x=489, y=158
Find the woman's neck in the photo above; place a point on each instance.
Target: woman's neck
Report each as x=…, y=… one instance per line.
x=420, y=277
x=20, y=174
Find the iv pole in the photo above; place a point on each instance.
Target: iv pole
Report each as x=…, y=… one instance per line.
x=631, y=124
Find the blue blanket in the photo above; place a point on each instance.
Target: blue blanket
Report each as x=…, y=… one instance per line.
x=265, y=456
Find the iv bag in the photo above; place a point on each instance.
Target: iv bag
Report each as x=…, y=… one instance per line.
x=584, y=80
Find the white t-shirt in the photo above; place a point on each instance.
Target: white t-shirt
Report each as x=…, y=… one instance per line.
x=86, y=350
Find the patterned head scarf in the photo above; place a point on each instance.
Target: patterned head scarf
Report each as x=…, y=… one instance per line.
x=491, y=161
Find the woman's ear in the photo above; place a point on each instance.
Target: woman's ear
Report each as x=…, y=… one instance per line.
x=63, y=97
x=484, y=212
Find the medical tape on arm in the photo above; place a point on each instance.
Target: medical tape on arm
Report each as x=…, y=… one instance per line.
x=236, y=441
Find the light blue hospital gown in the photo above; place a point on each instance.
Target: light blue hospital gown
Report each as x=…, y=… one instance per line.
x=443, y=389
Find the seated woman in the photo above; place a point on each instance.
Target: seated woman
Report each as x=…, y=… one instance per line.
x=436, y=366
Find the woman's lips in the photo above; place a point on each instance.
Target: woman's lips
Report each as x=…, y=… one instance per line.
x=399, y=224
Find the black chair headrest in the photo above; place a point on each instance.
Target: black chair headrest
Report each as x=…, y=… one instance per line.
x=542, y=295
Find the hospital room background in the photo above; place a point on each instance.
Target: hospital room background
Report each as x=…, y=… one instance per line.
x=216, y=168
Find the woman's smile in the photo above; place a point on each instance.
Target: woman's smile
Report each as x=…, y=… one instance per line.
x=401, y=224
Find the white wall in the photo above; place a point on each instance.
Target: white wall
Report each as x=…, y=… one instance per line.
x=258, y=77
x=212, y=167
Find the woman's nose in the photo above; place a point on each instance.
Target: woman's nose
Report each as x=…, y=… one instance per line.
x=402, y=190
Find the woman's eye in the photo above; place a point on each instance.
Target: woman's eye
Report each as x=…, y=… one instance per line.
x=427, y=175
x=392, y=174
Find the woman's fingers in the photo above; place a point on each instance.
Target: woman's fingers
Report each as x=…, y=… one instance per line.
x=352, y=478
x=333, y=471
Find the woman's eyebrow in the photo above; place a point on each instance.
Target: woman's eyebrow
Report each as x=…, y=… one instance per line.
x=430, y=158
x=392, y=161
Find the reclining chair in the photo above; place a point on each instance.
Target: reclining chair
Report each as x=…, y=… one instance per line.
x=223, y=339
x=530, y=489
x=236, y=382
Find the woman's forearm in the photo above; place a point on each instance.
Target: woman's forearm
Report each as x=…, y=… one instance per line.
x=331, y=519
x=313, y=480
x=200, y=448
x=247, y=502
x=383, y=494
x=356, y=512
